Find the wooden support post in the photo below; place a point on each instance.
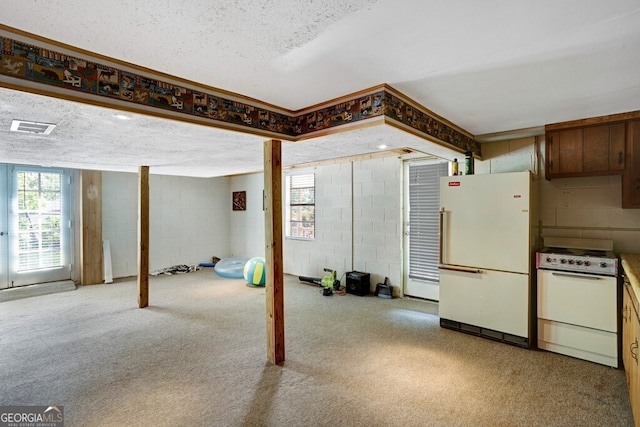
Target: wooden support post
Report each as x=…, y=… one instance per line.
x=273, y=252
x=91, y=269
x=143, y=237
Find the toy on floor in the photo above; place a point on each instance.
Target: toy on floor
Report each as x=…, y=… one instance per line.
x=231, y=268
x=255, y=271
x=175, y=269
x=214, y=261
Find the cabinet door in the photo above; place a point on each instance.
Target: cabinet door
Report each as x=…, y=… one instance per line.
x=617, y=141
x=552, y=149
x=634, y=371
x=627, y=312
x=564, y=150
x=596, y=149
x=630, y=336
x=586, y=151
x=570, y=147
x=604, y=148
x=631, y=177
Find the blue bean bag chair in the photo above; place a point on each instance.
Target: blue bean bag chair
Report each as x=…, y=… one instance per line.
x=231, y=268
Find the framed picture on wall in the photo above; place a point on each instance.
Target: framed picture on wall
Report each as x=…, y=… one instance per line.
x=239, y=200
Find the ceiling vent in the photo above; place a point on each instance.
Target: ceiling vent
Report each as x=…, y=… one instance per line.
x=32, y=127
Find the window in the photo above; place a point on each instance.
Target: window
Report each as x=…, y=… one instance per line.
x=301, y=206
x=39, y=220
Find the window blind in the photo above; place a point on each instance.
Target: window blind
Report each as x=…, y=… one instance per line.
x=424, y=202
x=39, y=220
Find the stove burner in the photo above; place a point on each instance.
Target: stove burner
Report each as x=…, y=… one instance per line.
x=557, y=250
x=595, y=253
x=578, y=252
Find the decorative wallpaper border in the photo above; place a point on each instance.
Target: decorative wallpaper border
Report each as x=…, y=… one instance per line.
x=414, y=117
x=41, y=65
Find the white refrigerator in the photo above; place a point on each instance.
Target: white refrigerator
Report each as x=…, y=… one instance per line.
x=487, y=243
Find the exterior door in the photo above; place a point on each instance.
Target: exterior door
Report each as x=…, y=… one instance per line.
x=35, y=220
x=4, y=230
x=421, y=235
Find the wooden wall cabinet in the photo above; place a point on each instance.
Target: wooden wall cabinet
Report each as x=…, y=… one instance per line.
x=631, y=177
x=630, y=337
x=605, y=145
x=586, y=151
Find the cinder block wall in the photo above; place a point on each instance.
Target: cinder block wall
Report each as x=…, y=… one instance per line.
x=569, y=207
x=358, y=215
x=358, y=222
x=189, y=220
x=377, y=201
x=332, y=247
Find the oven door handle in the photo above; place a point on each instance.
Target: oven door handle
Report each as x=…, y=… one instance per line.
x=579, y=276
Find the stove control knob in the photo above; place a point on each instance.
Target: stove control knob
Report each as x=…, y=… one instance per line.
x=563, y=261
x=571, y=261
x=548, y=259
x=579, y=262
x=603, y=265
x=587, y=263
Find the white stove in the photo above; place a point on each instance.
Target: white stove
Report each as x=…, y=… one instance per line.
x=578, y=299
x=590, y=261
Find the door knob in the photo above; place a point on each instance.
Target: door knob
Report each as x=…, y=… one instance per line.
x=2, y=233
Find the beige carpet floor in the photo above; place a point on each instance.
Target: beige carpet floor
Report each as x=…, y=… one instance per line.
x=197, y=357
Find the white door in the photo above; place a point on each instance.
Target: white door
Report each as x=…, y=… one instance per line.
x=421, y=239
x=4, y=230
x=489, y=299
x=461, y=297
x=35, y=207
x=578, y=299
x=486, y=221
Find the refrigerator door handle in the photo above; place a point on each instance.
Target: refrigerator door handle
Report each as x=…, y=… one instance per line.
x=457, y=268
x=440, y=236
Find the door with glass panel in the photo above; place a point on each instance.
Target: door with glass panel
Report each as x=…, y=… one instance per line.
x=4, y=229
x=36, y=244
x=421, y=234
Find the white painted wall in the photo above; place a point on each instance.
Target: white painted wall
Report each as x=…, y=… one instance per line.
x=247, y=227
x=377, y=201
x=119, y=221
x=570, y=207
x=358, y=215
x=358, y=222
x=332, y=247
x=189, y=220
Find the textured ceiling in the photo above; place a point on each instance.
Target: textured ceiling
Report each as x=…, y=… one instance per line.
x=90, y=137
x=489, y=66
